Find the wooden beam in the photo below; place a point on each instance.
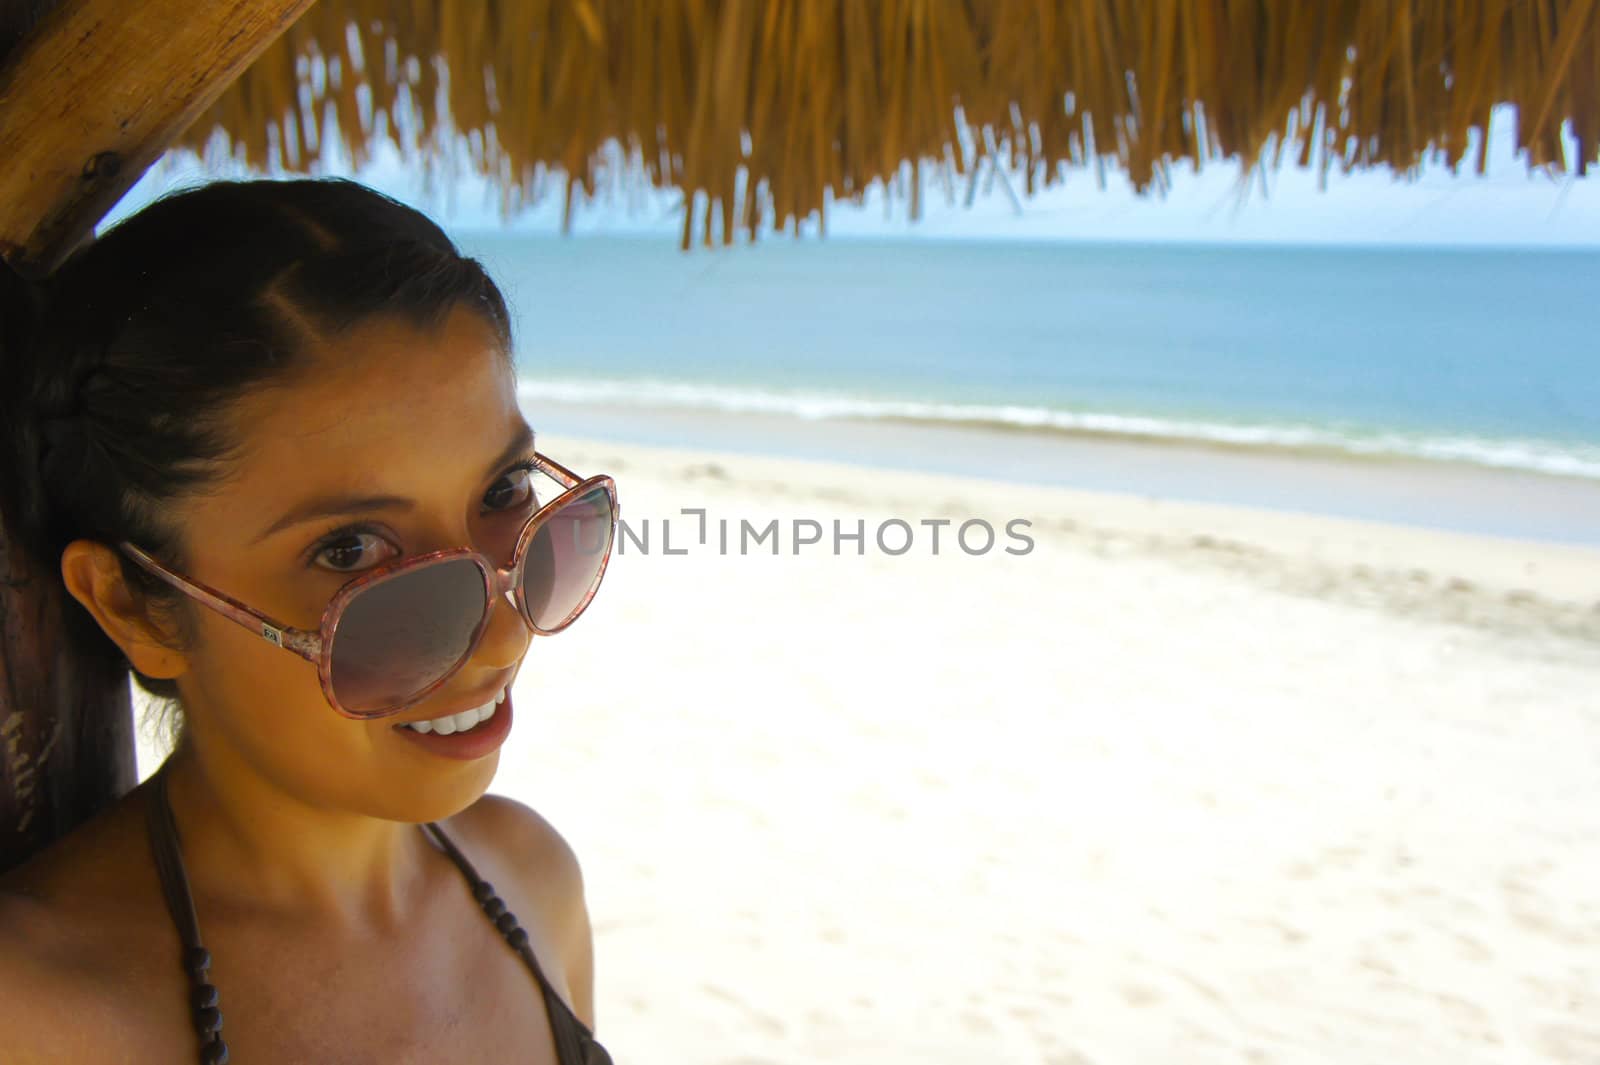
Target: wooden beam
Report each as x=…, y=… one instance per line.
x=96, y=93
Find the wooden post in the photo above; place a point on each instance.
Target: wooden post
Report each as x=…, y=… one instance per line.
x=66, y=734
x=88, y=100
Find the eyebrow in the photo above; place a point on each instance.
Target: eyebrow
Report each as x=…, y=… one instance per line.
x=336, y=505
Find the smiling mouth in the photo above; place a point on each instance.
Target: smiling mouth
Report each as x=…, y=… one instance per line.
x=450, y=724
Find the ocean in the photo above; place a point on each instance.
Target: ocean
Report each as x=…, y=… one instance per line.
x=1043, y=356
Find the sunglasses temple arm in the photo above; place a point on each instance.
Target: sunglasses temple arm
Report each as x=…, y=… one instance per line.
x=307, y=645
x=556, y=470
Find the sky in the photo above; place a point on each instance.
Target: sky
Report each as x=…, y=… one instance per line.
x=1507, y=206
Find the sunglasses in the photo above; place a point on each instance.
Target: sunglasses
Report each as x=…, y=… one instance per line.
x=394, y=635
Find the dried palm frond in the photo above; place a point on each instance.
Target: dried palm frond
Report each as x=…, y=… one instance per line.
x=767, y=108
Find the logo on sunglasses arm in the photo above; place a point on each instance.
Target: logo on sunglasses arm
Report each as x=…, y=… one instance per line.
x=272, y=635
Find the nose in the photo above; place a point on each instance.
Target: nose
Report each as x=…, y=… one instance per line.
x=506, y=638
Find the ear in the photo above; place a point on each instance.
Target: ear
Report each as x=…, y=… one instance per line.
x=93, y=574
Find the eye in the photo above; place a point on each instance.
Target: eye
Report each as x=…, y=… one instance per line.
x=352, y=551
x=513, y=489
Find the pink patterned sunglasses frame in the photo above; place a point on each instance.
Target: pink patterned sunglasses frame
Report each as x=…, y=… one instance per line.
x=316, y=645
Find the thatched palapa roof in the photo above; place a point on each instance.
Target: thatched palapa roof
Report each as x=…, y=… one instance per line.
x=813, y=95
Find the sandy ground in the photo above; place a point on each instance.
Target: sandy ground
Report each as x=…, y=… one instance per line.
x=1183, y=783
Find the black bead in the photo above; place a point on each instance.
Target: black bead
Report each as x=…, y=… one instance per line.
x=208, y=1019
x=215, y=1052
x=518, y=938
x=197, y=959
x=483, y=890
x=205, y=996
x=506, y=922
x=494, y=908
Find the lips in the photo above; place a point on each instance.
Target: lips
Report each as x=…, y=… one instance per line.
x=480, y=741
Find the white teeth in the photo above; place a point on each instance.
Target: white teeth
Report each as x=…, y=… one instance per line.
x=453, y=723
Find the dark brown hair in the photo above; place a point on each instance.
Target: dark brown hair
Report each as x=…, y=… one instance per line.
x=120, y=370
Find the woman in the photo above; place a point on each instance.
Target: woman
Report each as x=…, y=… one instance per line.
x=247, y=421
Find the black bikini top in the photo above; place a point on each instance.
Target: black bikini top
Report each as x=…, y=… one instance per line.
x=575, y=1043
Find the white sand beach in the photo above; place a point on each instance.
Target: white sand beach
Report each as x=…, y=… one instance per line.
x=1184, y=783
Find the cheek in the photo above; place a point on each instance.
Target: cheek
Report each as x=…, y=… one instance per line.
x=269, y=705
x=245, y=669
x=264, y=707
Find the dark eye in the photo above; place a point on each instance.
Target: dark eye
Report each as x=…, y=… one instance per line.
x=515, y=489
x=354, y=551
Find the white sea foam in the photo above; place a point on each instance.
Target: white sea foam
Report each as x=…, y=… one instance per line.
x=1542, y=456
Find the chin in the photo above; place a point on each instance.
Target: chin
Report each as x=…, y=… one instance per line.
x=436, y=796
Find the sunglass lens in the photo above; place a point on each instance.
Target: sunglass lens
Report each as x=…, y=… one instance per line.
x=398, y=636
x=566, y=559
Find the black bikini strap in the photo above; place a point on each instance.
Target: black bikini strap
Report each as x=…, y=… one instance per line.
x=166, y=847
x=504, y=920
x=574, y=1042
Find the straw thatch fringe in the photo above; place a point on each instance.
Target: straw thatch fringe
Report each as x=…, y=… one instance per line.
x=762, y=106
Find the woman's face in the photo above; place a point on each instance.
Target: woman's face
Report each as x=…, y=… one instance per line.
x=426, y=429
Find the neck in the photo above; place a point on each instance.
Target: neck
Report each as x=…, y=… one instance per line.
x=253, y=846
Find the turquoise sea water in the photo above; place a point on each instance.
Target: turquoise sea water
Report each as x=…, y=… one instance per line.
x=1479, y=357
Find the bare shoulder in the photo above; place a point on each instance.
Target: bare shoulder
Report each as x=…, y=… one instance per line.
x=522, y=844
x=77, y=929
x=37, y=994
x=520, y=834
